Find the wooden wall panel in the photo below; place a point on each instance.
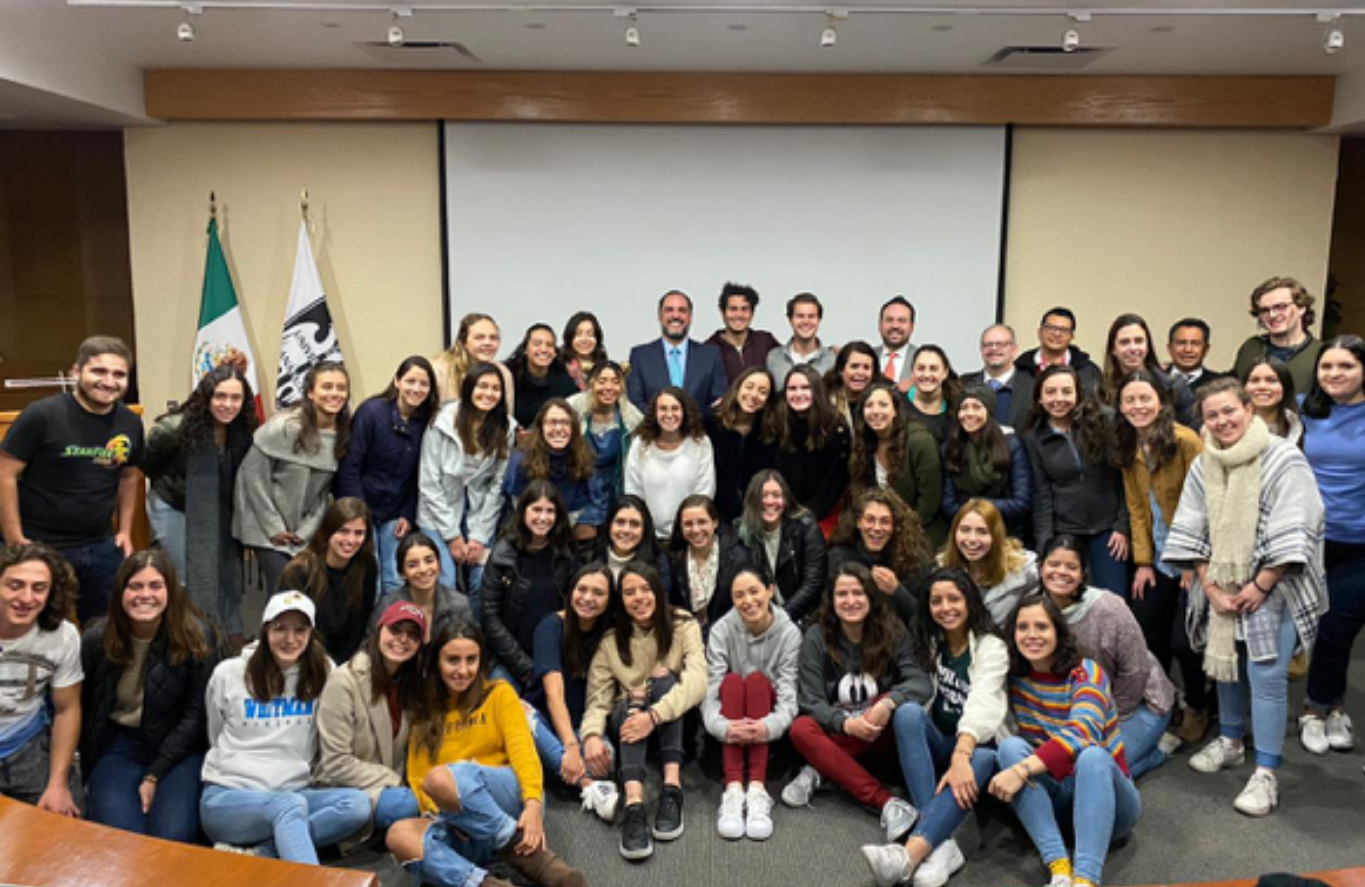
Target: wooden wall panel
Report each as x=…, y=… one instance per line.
x=1196, y=102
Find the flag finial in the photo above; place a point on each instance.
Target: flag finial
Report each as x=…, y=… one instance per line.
x=303, y=202
x=213, y=205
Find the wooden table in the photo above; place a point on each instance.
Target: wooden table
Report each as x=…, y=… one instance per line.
x=41, y=849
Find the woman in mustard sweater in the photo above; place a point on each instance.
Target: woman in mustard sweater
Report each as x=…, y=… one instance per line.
x=472, y=763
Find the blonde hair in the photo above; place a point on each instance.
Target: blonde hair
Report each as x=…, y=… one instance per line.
x=1007, y=554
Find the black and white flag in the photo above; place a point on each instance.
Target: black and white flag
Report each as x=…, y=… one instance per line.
x=309, y=337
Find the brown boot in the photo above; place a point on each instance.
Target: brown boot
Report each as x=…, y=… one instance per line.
x=541, y=867
x=1193, y=727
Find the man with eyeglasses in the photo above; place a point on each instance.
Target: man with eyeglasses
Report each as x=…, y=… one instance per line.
x=1283, y=307
x=1013, y=389
x=1055, y=333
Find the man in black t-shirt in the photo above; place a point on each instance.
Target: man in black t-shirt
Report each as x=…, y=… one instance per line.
x=68, y=463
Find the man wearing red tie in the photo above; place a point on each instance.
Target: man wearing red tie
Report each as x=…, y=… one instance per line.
x=896, y=325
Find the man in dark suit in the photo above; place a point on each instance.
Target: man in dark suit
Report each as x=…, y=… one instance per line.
x=1013, y=388
x=674, y=359
x=1188, y=344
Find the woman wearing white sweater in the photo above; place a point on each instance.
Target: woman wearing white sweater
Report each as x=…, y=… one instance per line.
x=671, y=458
x=752, y=662
x=263, y=737
x=951, y=739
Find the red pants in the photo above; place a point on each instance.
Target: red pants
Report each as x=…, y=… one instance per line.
x=741, y=698
x=835, y=756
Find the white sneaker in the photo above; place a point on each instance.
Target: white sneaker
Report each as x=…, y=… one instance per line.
x=1169, y=744
x=1060, y=881
x=730, y=823
x=1260, y=796
x=1218, y=755
x=601, y=797
x=890, y=864
x=758, y=814
x=800, y=790
x=233, y=848
x=1313, y=734
x=940, y=865
x=898, y=817
x=1340, y=733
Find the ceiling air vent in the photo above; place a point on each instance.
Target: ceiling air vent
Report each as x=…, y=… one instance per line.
x=1052, y=58
x=421, y=53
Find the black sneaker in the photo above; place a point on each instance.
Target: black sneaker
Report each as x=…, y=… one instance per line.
x=668, y=821
x=635, y=841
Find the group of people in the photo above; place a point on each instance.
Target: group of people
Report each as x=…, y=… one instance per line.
x=1036, y=582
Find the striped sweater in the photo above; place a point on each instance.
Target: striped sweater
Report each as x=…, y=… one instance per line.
x=1061, y=715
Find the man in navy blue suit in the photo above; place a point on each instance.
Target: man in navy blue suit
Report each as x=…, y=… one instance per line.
x=674, y=359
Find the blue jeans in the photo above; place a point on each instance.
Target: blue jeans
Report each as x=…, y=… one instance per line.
x=1339, y=626
x=168, y=526
x=551, y=750
x=395, y=804
x=450, y=575
x=287, y=825
x=1269, y=685
x=111, y=794
x=925, y=754
x=1104, y=805
x=1104, y=569
x=1141, y=739
x=386, y=549
x=95, y=565
x=457, y=845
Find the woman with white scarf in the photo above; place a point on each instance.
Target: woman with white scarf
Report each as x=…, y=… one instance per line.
x=1250, y=523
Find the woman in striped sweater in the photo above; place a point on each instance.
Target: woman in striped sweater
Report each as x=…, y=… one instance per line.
x=1068, y=751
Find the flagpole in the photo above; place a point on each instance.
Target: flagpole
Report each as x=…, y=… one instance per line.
x=303, y=209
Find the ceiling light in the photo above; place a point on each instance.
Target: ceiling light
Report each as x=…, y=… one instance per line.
x=1071, y=40
x=632, y=33
x=829, y=36
x=185, y=31
x=396, y=35
x=1335, y=38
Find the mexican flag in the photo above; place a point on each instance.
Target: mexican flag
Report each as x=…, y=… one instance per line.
x=309, y=337
x=222, y=335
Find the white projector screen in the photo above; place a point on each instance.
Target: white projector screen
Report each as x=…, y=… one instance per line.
x=548, y=219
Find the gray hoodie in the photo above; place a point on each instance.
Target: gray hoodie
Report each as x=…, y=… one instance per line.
x=279, y=489
x=259, y=746
x=733, y=649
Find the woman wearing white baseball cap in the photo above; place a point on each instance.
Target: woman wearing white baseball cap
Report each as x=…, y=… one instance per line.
x=263, y=735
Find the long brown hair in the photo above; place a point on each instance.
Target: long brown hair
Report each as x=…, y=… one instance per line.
x=408, y=677
x=881, y=631
x=992, y=438
x=435, y=700
x=660, y=624
x=908, y=551
x=822, y=419
x=729, y=413
x=579, y=646
x=482, y=433
x=307, y=440
x=265, y=681
x=650, y=430
x=307, y=572
x=536, y=453
x=1092, y=429
x=180, y=623
x=862, y=465
x=1162, y=448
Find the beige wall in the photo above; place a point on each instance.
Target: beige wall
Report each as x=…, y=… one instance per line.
x=374, y=194
x=1166, y=224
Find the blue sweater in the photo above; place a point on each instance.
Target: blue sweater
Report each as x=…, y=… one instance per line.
x=381, y=462
x=1334, y=448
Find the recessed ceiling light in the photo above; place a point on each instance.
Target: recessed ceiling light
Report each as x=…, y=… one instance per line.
x=534, y=26
x=1163, y=29
x=942, y=29
x=737, y=27
x=330, y=24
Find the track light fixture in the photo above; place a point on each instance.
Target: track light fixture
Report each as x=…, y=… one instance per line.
x=632, y=32
x=829, y=36
x=396, y=35
x=185, y=31
x=1334, y=39
x=1071, y=39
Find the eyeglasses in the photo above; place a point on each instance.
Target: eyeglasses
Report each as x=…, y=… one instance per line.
x=1053, y=328
x=1268, y=310
x=995, y=346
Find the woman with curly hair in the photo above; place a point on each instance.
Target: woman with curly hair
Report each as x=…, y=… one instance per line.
x=854, y=369
x=671, y=457
x=538, y=373
x=740, y=438
x=284, y=484
x=1002, y=568
x=1075, y=489
x=553, y=450
x=894, y=451
x=936, y=387
x=858, y=671
x=582, y=347
x=882, y=534
x=192, y=456
x=983, y=460
x=813, y=443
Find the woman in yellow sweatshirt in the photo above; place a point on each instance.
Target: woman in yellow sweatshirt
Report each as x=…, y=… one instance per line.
x=471, y=761
x=649, y=671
